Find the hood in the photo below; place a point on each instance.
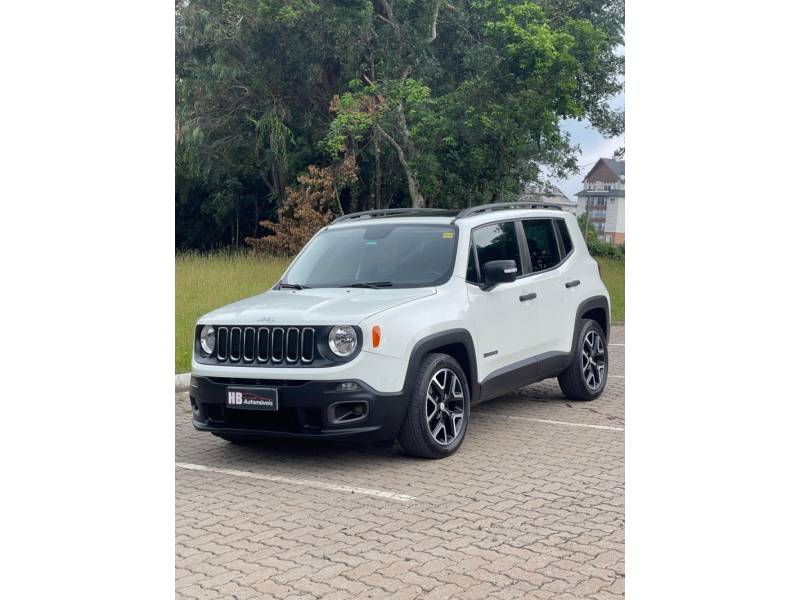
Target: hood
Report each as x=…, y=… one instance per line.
x=323, y=306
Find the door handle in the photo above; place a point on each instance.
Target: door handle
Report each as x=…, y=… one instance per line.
x=525, y=297
x=570, y=284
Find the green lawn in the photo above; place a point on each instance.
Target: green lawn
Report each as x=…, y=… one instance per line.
x=204, y=282
x=614, y=278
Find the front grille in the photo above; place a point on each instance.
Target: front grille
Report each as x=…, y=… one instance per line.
x=264, y=346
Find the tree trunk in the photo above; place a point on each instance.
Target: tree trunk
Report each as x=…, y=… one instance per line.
x=432, y=36
x=378, y=183
x=417, y=201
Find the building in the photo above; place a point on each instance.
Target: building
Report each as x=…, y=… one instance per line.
x=547, y=192
x=604, y=194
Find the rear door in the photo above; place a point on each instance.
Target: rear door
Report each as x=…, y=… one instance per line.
x=550, y=323
x=496, y=313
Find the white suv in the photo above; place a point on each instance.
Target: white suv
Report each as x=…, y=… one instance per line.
x=390, y=324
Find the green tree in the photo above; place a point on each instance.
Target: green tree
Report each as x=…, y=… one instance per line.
x=439, y=103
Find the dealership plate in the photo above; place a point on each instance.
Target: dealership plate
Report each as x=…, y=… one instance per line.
x=252, y=398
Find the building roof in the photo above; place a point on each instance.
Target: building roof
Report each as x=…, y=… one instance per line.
x=617, y=166
x=609, y=193
x=548, y=192
x=535, y=188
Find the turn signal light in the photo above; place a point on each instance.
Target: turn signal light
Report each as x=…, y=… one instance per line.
x=376, y=335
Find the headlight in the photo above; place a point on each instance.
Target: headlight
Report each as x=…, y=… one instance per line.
x=343, y=340
x=208, y=339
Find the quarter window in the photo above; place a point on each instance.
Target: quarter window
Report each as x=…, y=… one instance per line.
x=542, y=244
x=497, y=241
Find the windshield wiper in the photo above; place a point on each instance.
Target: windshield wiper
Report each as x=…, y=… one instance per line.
x=372, y=285
x=293, y=286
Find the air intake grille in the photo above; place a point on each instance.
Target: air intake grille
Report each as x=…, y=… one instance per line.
x=264, y=346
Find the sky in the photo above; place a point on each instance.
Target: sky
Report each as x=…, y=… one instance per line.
x=592, y=147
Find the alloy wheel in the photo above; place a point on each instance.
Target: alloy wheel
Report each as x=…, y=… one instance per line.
x=593, y=360
x=444, y=406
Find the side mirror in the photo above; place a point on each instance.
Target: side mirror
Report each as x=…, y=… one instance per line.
x=499, y=271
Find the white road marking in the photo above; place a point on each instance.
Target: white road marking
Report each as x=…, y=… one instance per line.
x=568, y=423
x=617, y=376
x=308, y=482
x=616, y=344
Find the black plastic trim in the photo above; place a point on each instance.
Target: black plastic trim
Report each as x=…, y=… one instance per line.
x=276, y=354
x=384, y=417
x=524, y=372
x=443, y=338
x=583, y=308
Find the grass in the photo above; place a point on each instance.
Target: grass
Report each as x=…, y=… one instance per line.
x=614, y=278
x=204, y=282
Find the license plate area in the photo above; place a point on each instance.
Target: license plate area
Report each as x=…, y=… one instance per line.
x=248, y=398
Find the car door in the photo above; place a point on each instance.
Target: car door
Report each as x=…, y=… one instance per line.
x=549, y=326
x=496, y=313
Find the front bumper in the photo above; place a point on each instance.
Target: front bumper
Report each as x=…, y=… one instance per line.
x=305, y=410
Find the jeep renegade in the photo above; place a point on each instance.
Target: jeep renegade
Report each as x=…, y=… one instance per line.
x=390, y=324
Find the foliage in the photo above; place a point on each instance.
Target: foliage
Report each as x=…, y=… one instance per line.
x=439, y=103
x=207, y=281
x=596, y=246
x=306, y=210
x=613, y=273
x=606, y=250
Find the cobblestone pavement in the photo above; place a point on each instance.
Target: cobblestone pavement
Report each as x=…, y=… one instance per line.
x=531, y=506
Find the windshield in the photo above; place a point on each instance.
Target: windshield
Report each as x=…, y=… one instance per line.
x=378, y=256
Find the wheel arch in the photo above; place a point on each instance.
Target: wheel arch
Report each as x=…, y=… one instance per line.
x=595, y=308
x=454, y=342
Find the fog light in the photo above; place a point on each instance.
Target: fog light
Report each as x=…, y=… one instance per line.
x=348, y=386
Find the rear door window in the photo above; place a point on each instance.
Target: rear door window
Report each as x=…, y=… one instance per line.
x=540, y=235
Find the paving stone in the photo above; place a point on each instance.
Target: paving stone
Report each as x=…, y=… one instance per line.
x=525, y=509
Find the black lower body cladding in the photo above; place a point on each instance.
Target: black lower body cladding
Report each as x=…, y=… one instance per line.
x=306, y=409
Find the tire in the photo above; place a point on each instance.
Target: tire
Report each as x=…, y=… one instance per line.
x=574, y=383
x=445, y=377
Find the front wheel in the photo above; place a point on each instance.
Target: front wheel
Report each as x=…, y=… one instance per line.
x=438, y=412
x=586, y=376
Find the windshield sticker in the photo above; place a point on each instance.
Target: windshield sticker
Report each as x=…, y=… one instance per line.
x=371, y=242
x=448, y=235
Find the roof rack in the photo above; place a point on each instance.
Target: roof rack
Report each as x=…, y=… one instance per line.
x=476, y=210
x=396, y=212
x=442, y=212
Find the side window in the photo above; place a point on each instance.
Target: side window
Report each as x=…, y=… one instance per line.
x=562, y=229
x=542, y=244
x=497, y=241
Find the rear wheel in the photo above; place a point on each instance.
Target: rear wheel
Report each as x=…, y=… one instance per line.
x=586, y=376
x=438, y=412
